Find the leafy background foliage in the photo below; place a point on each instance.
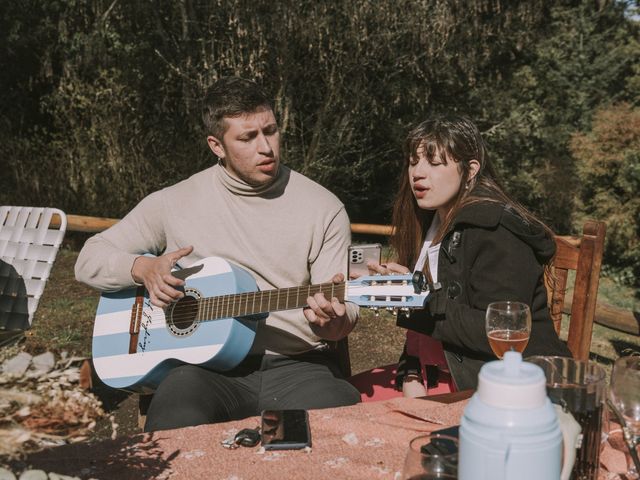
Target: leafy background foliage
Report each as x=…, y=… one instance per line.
x=99, y=100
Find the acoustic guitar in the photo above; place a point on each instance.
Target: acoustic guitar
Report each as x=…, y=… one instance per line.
x=135, y=343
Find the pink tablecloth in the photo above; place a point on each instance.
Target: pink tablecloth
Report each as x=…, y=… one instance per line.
x=365, y=441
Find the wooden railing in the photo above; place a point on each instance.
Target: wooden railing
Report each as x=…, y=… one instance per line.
x=80, y=223
x=607, y=315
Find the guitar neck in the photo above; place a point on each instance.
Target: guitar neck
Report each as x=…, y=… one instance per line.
x=253, y=303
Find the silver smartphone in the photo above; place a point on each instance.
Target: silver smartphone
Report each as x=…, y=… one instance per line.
x=360, y=255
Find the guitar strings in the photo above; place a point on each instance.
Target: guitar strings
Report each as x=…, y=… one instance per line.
x=227, y=303
x=187, y=312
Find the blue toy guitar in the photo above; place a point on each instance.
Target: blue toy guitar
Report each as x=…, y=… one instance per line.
x=136, y=343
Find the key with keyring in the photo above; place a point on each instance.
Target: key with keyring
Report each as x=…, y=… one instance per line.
x=247, y=437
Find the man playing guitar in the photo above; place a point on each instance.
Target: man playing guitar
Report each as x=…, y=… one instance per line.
x=278, y=225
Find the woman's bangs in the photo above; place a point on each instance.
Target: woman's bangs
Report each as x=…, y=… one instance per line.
x=427, y=146
x=433, y=152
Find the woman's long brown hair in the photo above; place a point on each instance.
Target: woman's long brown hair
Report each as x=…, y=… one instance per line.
x=445, y=139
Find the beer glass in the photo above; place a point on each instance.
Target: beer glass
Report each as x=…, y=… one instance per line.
x=508, y=326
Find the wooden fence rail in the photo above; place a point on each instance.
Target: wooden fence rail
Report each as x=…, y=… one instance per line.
x=606, y=315
x=80, y=223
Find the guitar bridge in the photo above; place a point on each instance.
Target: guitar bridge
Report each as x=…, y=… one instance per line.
x=136, y=318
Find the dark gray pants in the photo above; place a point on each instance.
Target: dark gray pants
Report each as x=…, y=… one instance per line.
x=191, y=395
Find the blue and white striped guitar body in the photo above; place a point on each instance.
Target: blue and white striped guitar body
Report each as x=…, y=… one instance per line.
x=162, y=344
x=135, y=343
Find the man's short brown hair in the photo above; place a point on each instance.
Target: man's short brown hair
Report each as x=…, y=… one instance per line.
x=231, y=97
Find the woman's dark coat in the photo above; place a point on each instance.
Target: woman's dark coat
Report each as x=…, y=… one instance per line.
x=489, y=254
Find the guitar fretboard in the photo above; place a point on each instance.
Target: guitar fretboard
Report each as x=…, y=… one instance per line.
x=253, y=303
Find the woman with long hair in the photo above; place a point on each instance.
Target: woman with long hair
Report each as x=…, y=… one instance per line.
x=475, y=244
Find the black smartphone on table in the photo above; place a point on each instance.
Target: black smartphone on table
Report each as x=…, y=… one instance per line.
x=285, y=429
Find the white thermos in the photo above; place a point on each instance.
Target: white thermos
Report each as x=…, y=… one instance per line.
x=510, y=429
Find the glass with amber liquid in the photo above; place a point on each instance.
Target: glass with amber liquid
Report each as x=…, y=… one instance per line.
x=508, y=326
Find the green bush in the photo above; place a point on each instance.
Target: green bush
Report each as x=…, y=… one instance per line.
x=100, y=105
x=609, y=172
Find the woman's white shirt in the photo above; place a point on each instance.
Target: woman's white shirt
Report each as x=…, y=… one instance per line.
x=431, y=250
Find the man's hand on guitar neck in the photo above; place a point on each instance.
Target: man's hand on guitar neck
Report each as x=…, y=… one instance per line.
x=155, y=274
x=327, y=318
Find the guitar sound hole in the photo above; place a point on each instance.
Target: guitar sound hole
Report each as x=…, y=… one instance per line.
x=182, y=315
x=184, y=312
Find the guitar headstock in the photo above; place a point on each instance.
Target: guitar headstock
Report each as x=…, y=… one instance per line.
x=386, y=291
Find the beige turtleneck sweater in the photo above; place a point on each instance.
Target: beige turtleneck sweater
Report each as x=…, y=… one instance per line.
x=288, y=233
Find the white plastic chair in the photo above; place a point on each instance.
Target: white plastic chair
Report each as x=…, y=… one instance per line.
x=28, y=246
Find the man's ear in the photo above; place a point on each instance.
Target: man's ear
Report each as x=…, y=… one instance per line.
x=216, y=147
x=474, y=168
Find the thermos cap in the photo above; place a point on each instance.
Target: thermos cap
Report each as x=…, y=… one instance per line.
x=512, y=383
